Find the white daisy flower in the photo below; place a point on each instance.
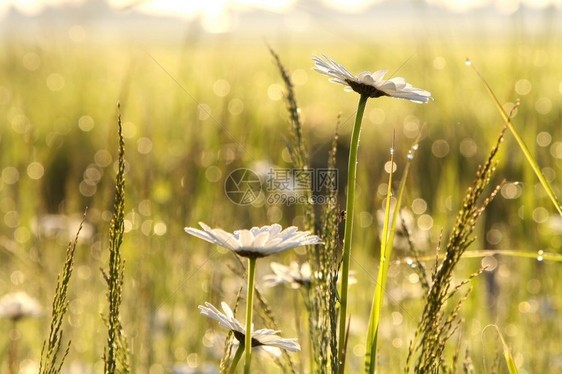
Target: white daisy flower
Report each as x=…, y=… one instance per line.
x=18, y=305
x=262, y=337
x=370, y=84
x=258, y=241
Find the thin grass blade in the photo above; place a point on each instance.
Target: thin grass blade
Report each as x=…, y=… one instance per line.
x=520, y=142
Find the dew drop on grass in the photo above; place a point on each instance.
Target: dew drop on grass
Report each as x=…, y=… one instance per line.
x=540, y=255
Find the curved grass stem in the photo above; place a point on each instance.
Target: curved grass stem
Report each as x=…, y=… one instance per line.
x=236, y=359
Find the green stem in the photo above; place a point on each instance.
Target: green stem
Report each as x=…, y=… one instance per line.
x=387, y=239
x=236, y=359
x=349, y=211
x=249, y=313
x=13, y=349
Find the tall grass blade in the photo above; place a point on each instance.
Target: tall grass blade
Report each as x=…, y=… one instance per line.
x=387, y=240
x=507, y=119
x=511, y=367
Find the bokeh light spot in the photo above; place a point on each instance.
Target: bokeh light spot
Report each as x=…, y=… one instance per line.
x=468, y=147
x=523, y=87
x=299, y=77
x=274, y=92
x=160, y=228
x=213, y=174
x=86, y=123
x=511, y=190
x=221, y=87
x=544, y=139
x=35, y=170
x=419, y=206
x=439, y=63
x=543, y=105
x=540, y=214
x=55, y=82
x=489, y=262
x=377, y=116
x=31, y=61
x=103, y=158
x=10, y=175
x=440, y=148
x=144, y=145
x=235, y=106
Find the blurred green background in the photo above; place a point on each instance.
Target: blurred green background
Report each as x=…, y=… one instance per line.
x=197, y=105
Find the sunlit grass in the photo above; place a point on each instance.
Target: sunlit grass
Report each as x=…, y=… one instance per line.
x=220, y=107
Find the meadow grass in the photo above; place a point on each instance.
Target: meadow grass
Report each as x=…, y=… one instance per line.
x=211, y=112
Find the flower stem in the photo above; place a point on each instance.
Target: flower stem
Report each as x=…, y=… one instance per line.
x=13, y=348
x=249, y=313
x=236, y=358
x=349, y=211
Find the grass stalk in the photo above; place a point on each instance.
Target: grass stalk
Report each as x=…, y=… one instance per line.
x=437, y=323
x=349, y=211
x=115, y=354
x=322, y=300
x=507, y=119
x=249, y=314
x=51, y=359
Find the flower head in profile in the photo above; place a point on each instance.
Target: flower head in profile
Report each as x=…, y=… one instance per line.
x=295, y=275
x=18, y=305
x=257, y=241
x=262, y=337
x=370, y=84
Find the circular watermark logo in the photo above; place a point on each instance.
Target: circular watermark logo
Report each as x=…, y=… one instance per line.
x=242, y=186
